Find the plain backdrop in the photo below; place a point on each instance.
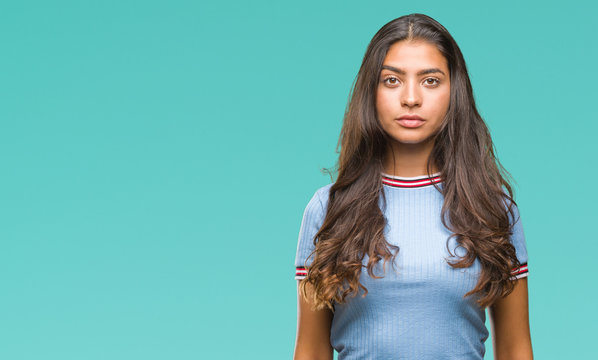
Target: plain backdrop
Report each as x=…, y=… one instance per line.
x=157, y=157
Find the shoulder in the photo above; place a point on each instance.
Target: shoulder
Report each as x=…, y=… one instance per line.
x=322, y=194
x=511, y=206
x=316, y=208
x=313, y=218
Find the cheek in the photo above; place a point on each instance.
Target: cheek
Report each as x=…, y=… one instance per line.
x=383, y=104
x=443, y=102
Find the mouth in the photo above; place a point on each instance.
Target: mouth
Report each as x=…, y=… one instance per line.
x=409, y=122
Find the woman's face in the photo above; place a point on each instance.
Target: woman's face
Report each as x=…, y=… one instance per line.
x=414, y=81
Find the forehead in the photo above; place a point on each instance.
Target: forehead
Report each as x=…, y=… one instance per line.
x=413, y=55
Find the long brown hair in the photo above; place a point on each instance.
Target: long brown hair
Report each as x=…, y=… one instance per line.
x=474, y=186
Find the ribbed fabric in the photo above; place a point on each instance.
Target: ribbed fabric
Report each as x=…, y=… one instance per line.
x=417, y=312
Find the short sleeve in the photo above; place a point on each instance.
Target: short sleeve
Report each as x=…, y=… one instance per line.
x=313, y=217
x=518, y=241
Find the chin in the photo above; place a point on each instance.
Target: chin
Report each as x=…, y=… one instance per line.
x=411, y=140
x=407, y=142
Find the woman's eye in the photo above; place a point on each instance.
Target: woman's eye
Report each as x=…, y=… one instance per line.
x=391, y=80
x=434, y=81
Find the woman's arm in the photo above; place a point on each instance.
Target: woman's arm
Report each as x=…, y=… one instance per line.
x=509, y=320
x=313, y=332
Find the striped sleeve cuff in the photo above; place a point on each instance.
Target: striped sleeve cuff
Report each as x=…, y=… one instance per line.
x=519, y=272
x=300, y=272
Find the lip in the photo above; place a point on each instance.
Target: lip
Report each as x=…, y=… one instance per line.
x=410, y=117
x=410, y=121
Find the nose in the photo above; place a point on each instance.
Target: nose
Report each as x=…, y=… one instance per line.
x=410, y=96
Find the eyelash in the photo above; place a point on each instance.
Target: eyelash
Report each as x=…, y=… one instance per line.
x=394, y=77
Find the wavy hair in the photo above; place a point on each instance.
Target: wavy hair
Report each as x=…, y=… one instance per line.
x=475, y=201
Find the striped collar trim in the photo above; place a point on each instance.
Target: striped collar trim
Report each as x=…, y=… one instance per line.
x=410, y=182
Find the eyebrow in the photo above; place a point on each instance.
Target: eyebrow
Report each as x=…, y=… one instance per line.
x=421, y=72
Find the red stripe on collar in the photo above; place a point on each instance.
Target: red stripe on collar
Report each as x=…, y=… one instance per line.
x=410, y=182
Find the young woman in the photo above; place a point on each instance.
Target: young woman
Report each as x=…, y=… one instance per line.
x=419, y=234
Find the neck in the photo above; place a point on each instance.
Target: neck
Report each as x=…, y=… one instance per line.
x=408, y=160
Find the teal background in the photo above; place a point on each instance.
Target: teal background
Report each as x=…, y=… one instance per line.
x=157, y=157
